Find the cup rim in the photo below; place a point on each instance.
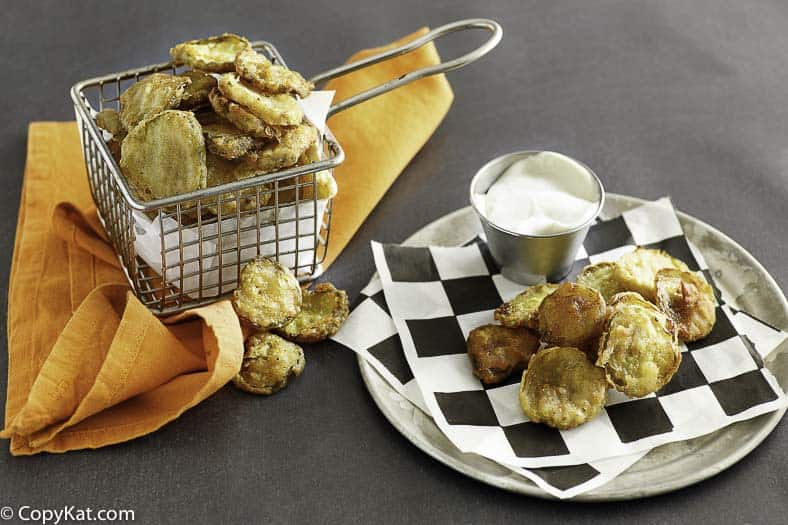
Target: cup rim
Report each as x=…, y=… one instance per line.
x=527, y=153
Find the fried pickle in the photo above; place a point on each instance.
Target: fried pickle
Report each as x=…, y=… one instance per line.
x=268, y=294
x=197, y=91
x=573, y=315
x=638, y=348
x=600, y=277
x=164, y=155
x=635, y=271
x=497, y=351
x=242, y=119
x=215, y=54
x=324, y=187
x=109, y=120
x=277, y=110
x=221, y=171
x=225, y=140
x=268, y=364
x=150, y=96
x=286, y=152
x=264, y=76
x=523, y=310
x=323, y=310
x=562, y=388
x=689, y=300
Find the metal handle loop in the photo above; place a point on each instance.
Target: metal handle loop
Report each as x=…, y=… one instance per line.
x=444, y=67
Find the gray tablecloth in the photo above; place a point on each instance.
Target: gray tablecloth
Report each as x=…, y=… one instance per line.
x=688, y=99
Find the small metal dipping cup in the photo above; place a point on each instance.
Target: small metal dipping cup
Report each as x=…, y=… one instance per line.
x=530, y=259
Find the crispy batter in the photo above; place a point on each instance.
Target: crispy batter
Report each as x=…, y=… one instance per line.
x=286, y=152
x=689, y=300
x=312, y=154
x=324, y=183
x=215, y=54
x=196, y=93
x=562, y=388
x=114, y=149
x=225, y=140
x=638, y=349
x=150, y=96
x=277, y=110
x=497, y=351
x=523, y=310
x=635, y=271
x=600, y=277
x=264, y=76
x=165, y=155
x=268, y=364
x=323, y=311
x=573, y=315
x=268, y=295
x=109, y=120
x=242, y=119
x=222, y=171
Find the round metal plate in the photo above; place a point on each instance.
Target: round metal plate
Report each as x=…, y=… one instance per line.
x=665, y=468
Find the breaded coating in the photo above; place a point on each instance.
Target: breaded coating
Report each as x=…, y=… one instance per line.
x=264, y=76
x=242, y=119
x=323, y=311
x=276, y=110
x=689, y=300
x=109, y=120
x=225, y=140
x=268, y=294
x=150, y=96
x=573, y=315
x=165, y=155
x=215, y=54
x=497, y=351
x=635, y=271
x=523, y=310
x=638, y=349
x=221, y=171
x=286, y=152
x=325, y=187
x=601, y=277
x=268, y=364
x=562, y=388
x=196, y=93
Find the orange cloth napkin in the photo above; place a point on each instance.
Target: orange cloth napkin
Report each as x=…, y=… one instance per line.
x=88, y=364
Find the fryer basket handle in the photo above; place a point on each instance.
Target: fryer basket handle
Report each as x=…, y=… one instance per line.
x=444, y=67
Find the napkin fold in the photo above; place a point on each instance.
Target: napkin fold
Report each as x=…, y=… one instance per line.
x=88, y=364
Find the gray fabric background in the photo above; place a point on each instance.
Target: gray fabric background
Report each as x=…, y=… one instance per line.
x=658, y=97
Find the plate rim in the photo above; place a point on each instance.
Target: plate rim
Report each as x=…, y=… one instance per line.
x=531, y=489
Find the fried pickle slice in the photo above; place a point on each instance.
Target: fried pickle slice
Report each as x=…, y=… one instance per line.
x=109, y=120
x=689, y=300
x=324, y=187
x=635, y=271
x=523, y=310
x=573, y=315
x=242, y=119
x=268, y=364
x=215, y=54
x=498, y=351
x=323, y=311
x=600, y=277
x=221, y=171
x=164, y=155
x=268, y=294
x=562, y=388
x=150, y=96
x=638, y=349
x=197, y=91
x=264, y=76
x=285, y=153
x=277, y=110
x=225, y=140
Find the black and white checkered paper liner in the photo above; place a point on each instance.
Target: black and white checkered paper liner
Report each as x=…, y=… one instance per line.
x=436, y=295
x=370, y=332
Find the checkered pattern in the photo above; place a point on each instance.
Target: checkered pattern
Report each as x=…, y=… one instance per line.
x=437, y=295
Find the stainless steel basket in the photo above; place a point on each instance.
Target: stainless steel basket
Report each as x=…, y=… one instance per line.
x=198, y=258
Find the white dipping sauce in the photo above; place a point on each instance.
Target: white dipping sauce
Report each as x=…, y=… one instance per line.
x=543, y=194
